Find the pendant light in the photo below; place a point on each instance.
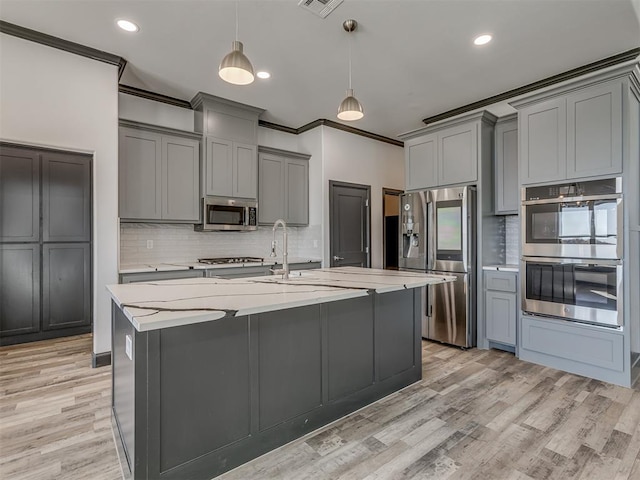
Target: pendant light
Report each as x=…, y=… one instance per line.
x=350, y=109
x=235, y=67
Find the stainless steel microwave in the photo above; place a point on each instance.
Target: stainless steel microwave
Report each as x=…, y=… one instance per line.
x=228, y=214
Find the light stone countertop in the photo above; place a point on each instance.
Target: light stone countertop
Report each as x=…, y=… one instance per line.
x=170, y=303
x=175, y=266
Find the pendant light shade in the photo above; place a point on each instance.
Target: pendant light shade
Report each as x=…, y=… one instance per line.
x=350, y=109
x=235, y=67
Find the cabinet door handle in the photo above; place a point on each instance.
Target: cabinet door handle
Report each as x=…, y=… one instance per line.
x=337, y=258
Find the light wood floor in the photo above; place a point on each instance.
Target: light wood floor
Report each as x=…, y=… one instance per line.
x=476, y=415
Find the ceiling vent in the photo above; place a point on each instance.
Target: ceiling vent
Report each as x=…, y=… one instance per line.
x=321, y=8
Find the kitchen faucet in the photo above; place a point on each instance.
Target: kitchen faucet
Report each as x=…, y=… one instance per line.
x=285, y=262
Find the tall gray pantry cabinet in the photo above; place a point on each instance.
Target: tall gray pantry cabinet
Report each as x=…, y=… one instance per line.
x=45, y=244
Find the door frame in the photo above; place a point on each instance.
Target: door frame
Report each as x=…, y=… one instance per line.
x=386, y=191
x=367, y=188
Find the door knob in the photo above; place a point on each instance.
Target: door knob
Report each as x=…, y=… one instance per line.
x=337, y=258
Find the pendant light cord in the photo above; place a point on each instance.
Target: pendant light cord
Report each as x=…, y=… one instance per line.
x=349, y=61
x=236, y=21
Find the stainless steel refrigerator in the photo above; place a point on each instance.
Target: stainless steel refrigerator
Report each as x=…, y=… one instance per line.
x=438, y=235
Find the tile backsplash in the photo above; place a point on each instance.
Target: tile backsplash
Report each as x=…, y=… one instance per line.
x=512, y=239
x=180, y=243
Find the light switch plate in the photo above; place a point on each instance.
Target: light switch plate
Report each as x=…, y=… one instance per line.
x=128, y=347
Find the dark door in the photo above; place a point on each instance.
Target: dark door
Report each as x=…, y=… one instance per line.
x=391, y=222
x=349, y=224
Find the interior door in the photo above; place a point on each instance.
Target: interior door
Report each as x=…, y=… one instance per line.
x=349, y=224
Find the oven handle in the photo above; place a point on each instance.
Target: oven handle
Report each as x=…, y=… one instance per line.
x=580, y=261
x=584, y=198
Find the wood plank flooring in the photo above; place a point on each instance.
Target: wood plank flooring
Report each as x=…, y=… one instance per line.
x=475, y=415
x=55, y=413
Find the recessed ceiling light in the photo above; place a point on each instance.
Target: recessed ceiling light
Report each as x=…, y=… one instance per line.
x=128, y=26
x=482, y=39
x=263, y=75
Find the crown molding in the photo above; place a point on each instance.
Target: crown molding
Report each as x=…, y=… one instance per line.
x=531, y=87
x=65, y=45
x=156, y=97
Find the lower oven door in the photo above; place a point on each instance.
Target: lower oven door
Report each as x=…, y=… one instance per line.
x=582, y=290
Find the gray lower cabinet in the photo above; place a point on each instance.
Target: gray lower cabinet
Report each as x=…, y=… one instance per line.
x=155, y=276
x=283, y=187
x=66, y=285
x=507, y=198
x=19, y=289
x=19, y=195
x=592, y=351
x=574, y=135
x=194, y=401
x=501, y=306
x=159, y=174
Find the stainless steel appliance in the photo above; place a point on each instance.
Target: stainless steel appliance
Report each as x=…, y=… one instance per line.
x=413, y=240
x=449, y=231
x=573, y=220
x=231, y=214
x=224, y=260
x=576, y=289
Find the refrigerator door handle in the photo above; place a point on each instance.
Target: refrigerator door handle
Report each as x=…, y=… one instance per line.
x=430, y=236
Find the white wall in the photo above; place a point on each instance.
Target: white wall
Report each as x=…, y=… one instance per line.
x=57, y=99
x=356, y=159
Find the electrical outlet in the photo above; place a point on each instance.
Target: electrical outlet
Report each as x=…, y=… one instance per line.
x=315, y=244
x=149, y=244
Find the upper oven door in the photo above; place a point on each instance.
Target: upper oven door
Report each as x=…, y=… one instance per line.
x=574, y=289
x=577, y=228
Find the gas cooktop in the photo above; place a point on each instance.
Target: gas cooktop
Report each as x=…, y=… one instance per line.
x=221, y=260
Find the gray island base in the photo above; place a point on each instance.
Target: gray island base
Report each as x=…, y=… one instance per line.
x=199, y=398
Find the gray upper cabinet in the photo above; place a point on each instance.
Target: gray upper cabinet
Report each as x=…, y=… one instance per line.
x=180, y=178
x=19, y=195
x=230, y=137
x=421, y=162
x=140, y=174
x=507, y=199
x=458, y=155
x=594, y=133
x=574, y=135
x=159, y=174
x=66, y=197
x=283, y=181
x=447, y=153
x=219, y=167
x=543, y=133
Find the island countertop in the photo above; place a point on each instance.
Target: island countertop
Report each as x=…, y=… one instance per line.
x=171, y=303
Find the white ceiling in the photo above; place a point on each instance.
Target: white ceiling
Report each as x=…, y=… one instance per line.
x=411, y=58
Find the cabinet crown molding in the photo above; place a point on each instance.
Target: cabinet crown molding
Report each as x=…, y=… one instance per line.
x=621, y=71
x=285, y=153
x=482, y=116
x=201, y=98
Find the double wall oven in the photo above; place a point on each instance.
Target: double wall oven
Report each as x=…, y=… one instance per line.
x=572, y=251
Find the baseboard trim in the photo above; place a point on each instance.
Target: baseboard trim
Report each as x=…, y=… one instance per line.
x=100, y=359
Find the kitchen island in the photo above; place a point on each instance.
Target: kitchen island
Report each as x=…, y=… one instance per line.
x=209, y=373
